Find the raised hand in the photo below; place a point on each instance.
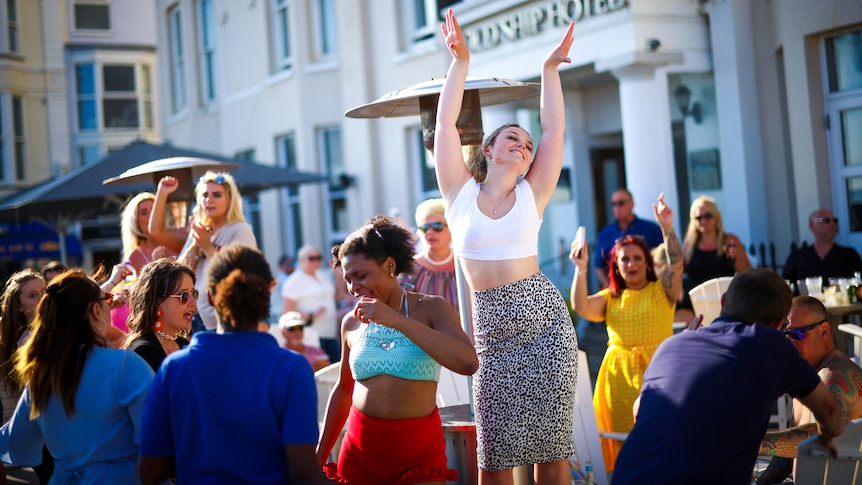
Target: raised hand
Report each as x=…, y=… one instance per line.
x=580, y=255
x=168, y=184
x=663, y=214
x=454, y=38
x=560, y=53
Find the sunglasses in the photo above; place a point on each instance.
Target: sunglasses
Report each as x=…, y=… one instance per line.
x=315, y=258
x=184, y=296
x=707, y=216
x=295, y=328
x=825, y=220
x=799, y=333
x=617, y=203
x=629, y=238
x=437, y=226
x=109, y=298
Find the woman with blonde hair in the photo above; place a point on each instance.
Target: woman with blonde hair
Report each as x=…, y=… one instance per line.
x=525, y=387
x=138, y=242
x=434, y=271
x=709, y=251
x=217, y=221
x=74, y=385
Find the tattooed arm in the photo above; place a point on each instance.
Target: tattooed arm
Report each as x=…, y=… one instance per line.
x=672, y=279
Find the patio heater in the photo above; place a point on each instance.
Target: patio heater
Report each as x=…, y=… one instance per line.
x=185, y=169
x=421, y=99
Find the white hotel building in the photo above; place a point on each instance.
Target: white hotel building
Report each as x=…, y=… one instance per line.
x=773, y=126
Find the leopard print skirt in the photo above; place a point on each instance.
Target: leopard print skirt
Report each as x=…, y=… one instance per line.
x=525, y=387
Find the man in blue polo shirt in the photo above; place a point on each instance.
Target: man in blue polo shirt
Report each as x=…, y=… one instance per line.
x=625, y=223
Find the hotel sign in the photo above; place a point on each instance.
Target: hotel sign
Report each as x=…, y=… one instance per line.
x=532, y=20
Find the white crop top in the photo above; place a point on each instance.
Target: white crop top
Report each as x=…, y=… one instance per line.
x=477, y=236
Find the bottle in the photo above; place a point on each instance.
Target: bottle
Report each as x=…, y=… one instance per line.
x=131, y=278
x=590, y=477
x=851, y=293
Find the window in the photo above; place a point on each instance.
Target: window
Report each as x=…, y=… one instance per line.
x=206, y=50
x=324, y=33
x=251, y=202
x=89, y=153
x=281, y=35
x=423, y=160
x=12, y=26
x=329, y=140
x=92, y=15
x=421, y=19
x=13, y=146
x=115, y=89
x=178, y=73
x=147, y=95
x=843, y=54
x=285, y=148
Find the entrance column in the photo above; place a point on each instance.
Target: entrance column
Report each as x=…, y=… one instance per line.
x=646, y=130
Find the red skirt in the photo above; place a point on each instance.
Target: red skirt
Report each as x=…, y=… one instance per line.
x=391, y=451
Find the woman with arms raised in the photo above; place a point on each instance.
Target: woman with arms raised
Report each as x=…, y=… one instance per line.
x=525, y=387
x=394, y=344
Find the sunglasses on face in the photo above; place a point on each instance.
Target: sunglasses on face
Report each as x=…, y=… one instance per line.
x=295, y=328
x=799, y=333
x=618, y=203
x=184, y=296
x=824, y=220
x=436, y=226
x=706, y=215
x=315, y=258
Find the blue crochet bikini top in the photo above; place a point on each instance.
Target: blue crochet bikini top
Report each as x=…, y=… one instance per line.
x=383, y=350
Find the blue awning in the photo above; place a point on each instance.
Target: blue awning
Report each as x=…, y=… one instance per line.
x=23, y=241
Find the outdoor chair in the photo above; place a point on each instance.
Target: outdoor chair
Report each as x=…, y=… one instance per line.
x=855, y=333
x=814, y=464
x=706, y=298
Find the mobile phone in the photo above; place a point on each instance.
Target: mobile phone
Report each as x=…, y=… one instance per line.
x=580, y=240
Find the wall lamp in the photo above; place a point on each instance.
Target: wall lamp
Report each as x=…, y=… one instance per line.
x=682, y=96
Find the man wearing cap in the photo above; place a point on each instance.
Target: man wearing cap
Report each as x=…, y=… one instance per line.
x=808, y=330
x=625, y=223
x=292, y=329
x=824, y=257
x=707, y=394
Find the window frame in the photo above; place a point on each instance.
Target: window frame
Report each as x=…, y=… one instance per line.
x=324, y=30
x=331, y=149
x=282, y=48
x=13, y=142
x=11, y=40
x=206, y=45
x=95, y=3
x=179, y=96
x=140, y=70
x=291, y=217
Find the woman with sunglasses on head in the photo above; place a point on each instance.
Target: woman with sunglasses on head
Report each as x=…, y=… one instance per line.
x=709, y=251
x=310, y=290
x=638, y=310
x=81, y=399
x=232, y=407
x=434, y=272
x=394, y=344
x=494, y=208
x=217, y=220
x=162, y=303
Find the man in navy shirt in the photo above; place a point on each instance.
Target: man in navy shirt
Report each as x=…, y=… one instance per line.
x=824, y=257
x=708, y=393
x=625, y=223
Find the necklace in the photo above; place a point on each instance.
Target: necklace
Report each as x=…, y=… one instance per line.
x=443, y=261
x=166, y=336
x=491, y=199
x=386, y=336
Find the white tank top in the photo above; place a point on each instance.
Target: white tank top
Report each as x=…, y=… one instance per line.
x=477, y=236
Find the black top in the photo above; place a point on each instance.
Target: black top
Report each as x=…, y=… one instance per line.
x=840, y=262
x=148, y=347
x=704, y=266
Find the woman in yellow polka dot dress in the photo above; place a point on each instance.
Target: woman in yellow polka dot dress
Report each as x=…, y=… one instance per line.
x=638, y=311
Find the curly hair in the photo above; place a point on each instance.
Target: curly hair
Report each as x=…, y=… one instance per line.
x=477, y=164
x=156, y=282
x=52, y=360
x=13, y=323
x=381, y=237
x=239, y=281
x=616, y=283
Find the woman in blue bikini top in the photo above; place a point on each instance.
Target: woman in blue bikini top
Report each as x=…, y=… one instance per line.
x=394, y=340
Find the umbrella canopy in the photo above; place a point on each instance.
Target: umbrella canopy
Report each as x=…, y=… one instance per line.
x=80, y=193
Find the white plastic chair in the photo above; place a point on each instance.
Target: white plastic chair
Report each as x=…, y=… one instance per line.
x=325, y=380
x=706, y=298
x=453, y=389
x=855, y=333
x=814, y=464
x=588, y=446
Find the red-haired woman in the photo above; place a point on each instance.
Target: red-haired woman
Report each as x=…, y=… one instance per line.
x=638, y=311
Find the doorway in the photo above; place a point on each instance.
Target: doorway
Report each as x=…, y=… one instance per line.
x=609, y=174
